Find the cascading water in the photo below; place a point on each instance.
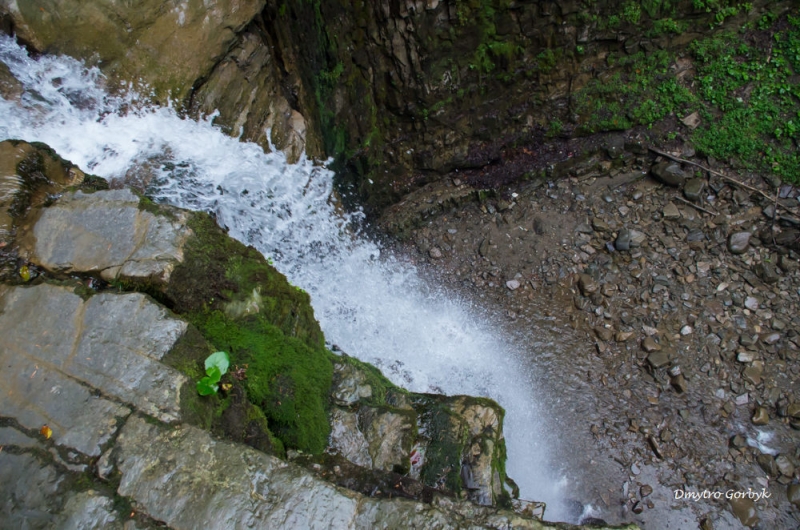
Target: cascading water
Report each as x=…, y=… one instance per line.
x=368, y=303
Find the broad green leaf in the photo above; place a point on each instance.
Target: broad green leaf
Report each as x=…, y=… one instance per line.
x=214, y=375
x=205, y=388
x=219, y=359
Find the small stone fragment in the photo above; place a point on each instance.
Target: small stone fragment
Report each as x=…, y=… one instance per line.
x=587, y=285
x=658, y=359
x=671, y=211
x=650, y=345
x=738, y=242
x=693, y=189
x=692, y=121
x=744, y=509
x=793, y=494
x=512, y=285
x=435, y=253
x=760, y=416
x=669, y=173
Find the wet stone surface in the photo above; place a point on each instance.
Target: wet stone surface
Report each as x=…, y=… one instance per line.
x=658, y=352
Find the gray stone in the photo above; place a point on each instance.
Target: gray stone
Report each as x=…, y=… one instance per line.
x=628, y=239
x=738, y=242
x=751, y=303
x=110, y=342
x=347, y=439
x=793, y=494
x=39, y=333
x=90, y=510
x=185, y=478
x=767, y=272
x=512, y=285
x=389, y=435
x=671, y=211
x=658, y=359
x=106, y=232
x=784, y=465
x=693, y=189
x=587, y=285
x=29, y=496
x=669, y=173
x=349, y=385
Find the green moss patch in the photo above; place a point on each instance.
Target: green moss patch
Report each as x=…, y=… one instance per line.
x=286, y=378
x=281, y=372
x=744, y=89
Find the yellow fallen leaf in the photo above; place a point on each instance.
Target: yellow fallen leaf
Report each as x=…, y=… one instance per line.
x=25, y=273
x=226, y=387
x=46, y=431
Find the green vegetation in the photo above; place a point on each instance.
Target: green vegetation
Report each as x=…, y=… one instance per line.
x=216, y=366
x=242, y=305
x=744, y=89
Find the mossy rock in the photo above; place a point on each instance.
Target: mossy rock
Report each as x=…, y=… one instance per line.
x=244, y=306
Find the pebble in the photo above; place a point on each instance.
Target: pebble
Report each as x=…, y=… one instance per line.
x=628, y=239
x=686, y=330
x=645, y=490
x=671, y=211
x=738, y=242
x=670, y=173
x=650, y=345
x=746, y=356
x=751, y=303
x=587, y=285
x=693, y=189
x=635, y=469
x=513, y=285
x=760, y=416
x=658, y=359
x=793, y=494
x=784, y=465
x=435, y=253
x=742, y=399
x=745, y=510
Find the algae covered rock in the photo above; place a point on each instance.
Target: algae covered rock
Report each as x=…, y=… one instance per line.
x=453, y=444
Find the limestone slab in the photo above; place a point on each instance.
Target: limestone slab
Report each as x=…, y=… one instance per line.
x=111, y=343
x=188, y=480
x=106, y=232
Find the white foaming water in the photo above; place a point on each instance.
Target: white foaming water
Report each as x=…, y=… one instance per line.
x=369, y=304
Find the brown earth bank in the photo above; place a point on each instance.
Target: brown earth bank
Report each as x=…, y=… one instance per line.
x=658, y=302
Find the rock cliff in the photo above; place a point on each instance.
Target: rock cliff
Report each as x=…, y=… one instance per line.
x=400, y=92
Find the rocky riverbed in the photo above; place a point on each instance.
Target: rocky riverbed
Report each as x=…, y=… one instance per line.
x=659, y=305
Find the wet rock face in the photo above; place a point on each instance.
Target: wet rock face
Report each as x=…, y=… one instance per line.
x=116, y=237
x=452, y=444
x=164, y=48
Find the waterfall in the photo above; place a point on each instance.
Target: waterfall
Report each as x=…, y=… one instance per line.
x=369, y=303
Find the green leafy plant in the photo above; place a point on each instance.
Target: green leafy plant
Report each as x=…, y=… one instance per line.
x=216, y=366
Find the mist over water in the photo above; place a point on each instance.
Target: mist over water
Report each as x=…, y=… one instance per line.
x=369, y=303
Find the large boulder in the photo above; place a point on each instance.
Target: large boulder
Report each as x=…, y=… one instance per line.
x=164, y=47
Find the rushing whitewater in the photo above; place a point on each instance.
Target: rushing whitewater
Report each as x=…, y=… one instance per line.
x=368, y=303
